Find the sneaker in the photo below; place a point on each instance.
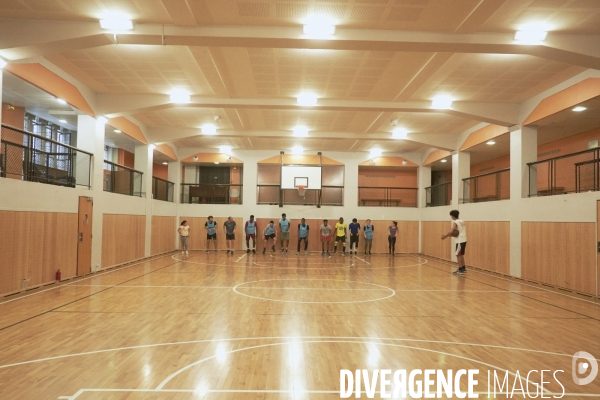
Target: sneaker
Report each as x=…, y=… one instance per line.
x=328, y=255
x=215, y=251
x=297, y=253
x=247, y=251
x=186, y=253
x=459, y=271
x=343, y=254
x=183, y=252
x=282, y=251
x=273, y=248
x=305, y=252
x=322, y=254
x=369, y=253
x=253, y=251
x=264, y=250
x=231, y=252
x=227, y=251
x=286, y=251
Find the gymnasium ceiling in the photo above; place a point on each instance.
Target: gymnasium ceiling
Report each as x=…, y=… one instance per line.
x=246, y=61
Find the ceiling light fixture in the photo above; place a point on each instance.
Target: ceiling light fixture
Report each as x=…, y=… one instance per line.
x=319, y=27
x=62, y=121
x=165, y=163
x=179, y=96
x=61, y=101
x=209, y=129
x=117, y=131
x=297, y=150
x=2, y=63
x=490, y=142
x=225, y=149
x=444, y=161
x=531, y=34
x=399, y=133
x=216, y=162
x=116, y=22
x=152, y=147
x=307, y=99
x=442, y=102
x=579, y=109
x=102, y=120
x=404, y=163
x=375, y=152
x=300, y=131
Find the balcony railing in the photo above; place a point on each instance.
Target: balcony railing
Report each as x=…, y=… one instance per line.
x=487, y=187
x=122, y=180
x=162, y=189
x=274, y=195
x=204, y=193
x=34, y=158
x=571, y=173
x=387, y=196
x=438, y=195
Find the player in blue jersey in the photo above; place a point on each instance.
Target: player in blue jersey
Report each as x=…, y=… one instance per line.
x=270, y=233
x=251, y=229
x=303, y=235
x=284, y=227
x=211, y=233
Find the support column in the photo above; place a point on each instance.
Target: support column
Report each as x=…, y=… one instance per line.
x=351, y=190
x=175, y=177
x=523, y=149
x=424, y=181
x=90, y=137
x=143, y=163
x=1, y=74
x=461, y=169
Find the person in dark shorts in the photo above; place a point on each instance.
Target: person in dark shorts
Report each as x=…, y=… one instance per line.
x=284, y=227
x=303, y=235
x=251, y=229
x=270, y=233
x=368, y=231
x=392, y=232
x=229, y=228
x=461, y=241
x=211, y=233
x=354, y=229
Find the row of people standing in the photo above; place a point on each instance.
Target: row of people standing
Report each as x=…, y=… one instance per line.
x=328, y=234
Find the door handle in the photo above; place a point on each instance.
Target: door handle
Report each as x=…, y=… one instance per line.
x=80, y=237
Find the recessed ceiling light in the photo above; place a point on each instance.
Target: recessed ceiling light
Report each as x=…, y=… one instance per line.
x=297, y=150
x=442, y=102
x=179, y=96
x=102, y=120
x=61, y=101
x=2, y=63
x=117, y=131
x=300, y=131
x=62, y=121
x=225, y=149
x=152, y=147
x=307, y=99
x=444, y=160
x=165, y=163
x=490, y=142
x=579, y=109
x=216, y=162
x=399, y=133
x=209, y=129
x=531, y=33
x=116, y=22
x=375, y=152
x=319, y=27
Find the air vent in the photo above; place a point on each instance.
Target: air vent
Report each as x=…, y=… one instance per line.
x=547, y=153
x=253, y=9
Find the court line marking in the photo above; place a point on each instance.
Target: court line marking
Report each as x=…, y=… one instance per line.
x=314, y=302
x=489, y=274
x=145, y=346
x=174, y=374
x=84, y=279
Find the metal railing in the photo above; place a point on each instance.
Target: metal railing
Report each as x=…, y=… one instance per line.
x=122, y=180
x=162, y=189
x=487, y=187
x=274, y=195
x=438, y=195
x=29, y=157
x=387, y=196
x=205, y=193
x=571, y=173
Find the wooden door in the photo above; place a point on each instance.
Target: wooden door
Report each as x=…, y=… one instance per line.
x=598, y=249
x=84, y=238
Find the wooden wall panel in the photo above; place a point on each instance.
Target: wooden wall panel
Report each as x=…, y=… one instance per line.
x=123, y=238
x=488, y=245
x=560, y=254
x=34, y=245
x=431, y=244
x=163, y=235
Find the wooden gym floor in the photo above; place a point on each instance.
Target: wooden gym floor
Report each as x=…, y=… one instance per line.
x=281, y=327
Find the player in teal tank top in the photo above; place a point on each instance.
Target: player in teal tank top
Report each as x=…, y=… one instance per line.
x=303, y=235
x=211, y=233
x=368, y=230
x=250, y=229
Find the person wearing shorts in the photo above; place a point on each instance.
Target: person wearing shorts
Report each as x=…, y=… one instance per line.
x=229, y=228
x=354, y=229
x=211, y=233
x=461, y=241
x=184, y=233
x=325, y=230
x=303, y=235
x=250, y=229
x=340, y=236
x=284, y=226
x=368, y=232
x=270, y=234
x=392, y=232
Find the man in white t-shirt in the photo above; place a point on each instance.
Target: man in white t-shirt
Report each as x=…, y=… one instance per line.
x=458, y=226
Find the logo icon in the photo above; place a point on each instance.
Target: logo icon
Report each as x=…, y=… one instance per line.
x=583, y=363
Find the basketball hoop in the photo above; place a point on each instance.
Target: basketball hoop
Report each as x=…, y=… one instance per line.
x=301, y=190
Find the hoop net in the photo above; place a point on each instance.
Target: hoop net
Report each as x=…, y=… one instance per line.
x=301, y=190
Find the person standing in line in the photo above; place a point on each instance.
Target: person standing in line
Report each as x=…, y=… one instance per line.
x=284, y=227
x=184, y=233
x=368, y=232
x=211, y=233
x=392, y=231
x=250, y=229
x=303, y=235
x=270, y=233
x=458, y=230
x=229, y=228
x=354, y=236
x=325, y=238
x=340, y=236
